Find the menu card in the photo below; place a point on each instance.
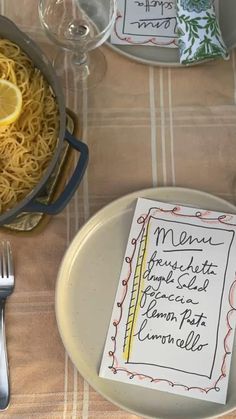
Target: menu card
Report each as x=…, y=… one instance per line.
x=147, y=22
x=173, y=320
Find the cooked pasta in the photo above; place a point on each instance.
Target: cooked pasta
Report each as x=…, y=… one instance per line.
x=27, y=145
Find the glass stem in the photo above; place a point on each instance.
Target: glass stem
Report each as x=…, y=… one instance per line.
x=80, y=61
x=80, y=58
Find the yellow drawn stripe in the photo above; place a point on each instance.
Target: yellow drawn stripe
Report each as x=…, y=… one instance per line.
x=136, y=296
x=132, y=310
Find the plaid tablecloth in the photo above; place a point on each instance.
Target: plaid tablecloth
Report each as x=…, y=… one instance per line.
x=145, y=126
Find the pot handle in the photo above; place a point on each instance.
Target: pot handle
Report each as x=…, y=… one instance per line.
x=71, y=186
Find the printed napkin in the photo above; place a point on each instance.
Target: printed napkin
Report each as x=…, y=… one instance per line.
x=199, y=32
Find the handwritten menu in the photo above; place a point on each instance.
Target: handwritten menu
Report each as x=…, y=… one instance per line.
x=147, y=22
x=173, y=320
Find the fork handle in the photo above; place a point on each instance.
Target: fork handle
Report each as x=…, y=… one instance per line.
x=4, y=373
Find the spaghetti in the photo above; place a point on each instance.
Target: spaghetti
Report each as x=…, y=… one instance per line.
x=27, y=145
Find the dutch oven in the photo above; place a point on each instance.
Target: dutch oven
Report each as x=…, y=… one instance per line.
x=10, y=31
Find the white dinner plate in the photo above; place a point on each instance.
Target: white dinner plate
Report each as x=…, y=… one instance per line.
x=153, y=55
x=85, y=293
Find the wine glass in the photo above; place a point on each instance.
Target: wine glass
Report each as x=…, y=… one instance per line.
x=79, y=27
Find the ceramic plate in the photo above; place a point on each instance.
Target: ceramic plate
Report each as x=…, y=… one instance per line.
x=168, y=56
x=85, y=293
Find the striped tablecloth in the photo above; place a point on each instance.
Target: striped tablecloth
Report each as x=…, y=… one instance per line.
x=145, y=126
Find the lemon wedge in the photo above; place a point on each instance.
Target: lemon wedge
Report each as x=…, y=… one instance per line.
x=10, y=102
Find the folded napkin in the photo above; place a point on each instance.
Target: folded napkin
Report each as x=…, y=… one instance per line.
x=199, y=32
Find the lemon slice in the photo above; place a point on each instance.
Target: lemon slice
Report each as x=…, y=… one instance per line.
x=10, y=102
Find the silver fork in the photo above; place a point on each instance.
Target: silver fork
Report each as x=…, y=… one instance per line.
x=6, y=288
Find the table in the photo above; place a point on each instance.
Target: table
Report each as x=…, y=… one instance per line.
x=145, y=126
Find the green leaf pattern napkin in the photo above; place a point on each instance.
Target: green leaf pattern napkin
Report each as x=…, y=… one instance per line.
x=199, y=32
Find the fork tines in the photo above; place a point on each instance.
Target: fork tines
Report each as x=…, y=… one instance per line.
x=6, y=260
